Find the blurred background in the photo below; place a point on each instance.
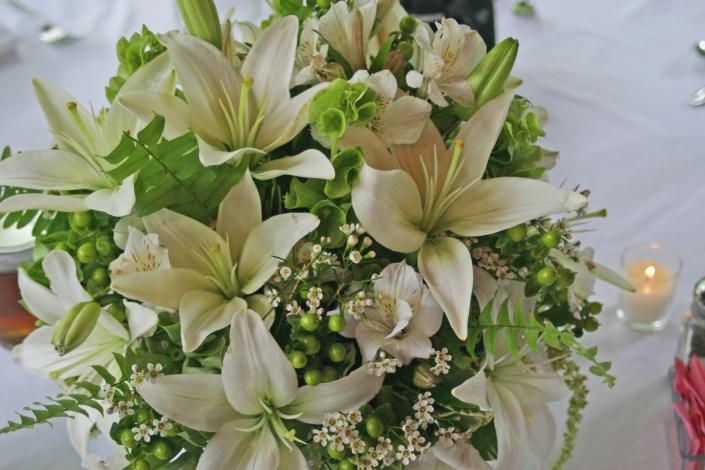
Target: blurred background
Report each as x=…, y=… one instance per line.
x=615, y=78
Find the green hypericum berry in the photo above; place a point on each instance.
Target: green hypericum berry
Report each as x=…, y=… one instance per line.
x=333, y=452
x=61, y=246
x=517, y=233
x=142, y=415
x=312, y=377
x=82, y=219
x=565, y=278
x=140, y=464
x=408, y=24
x=328, y=374
x=311, y=345
x=100, y=276
x=310, y=321
x=161, y=450
x=127, y=439
x=325, y=4
x=336, y=352
x=104, y=245
x=546, y=276
x=336, y=323
x=87, y=253
x=346, y=465
x=591, y=324
x=298, y=359
x=117, y=311
x=374, y=427
x=594, y=308
x=551, y=239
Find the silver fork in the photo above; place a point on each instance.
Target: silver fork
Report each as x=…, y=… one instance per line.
x=49, y=33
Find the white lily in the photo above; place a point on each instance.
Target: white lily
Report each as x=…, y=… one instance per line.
x=237, y=113
x=403, y=318
x=38, y=354
x=81, y=429
x=142, y=253
x=311, y=56
x=212, y=270
x=445, y=62
x=249, y=405
x=348, y=31
x=401, y=118
x=516, y=391
x=449, y=455
x=410, y=199
x=83, y=139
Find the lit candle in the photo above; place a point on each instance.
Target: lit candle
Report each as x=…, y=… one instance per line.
x=654, y=279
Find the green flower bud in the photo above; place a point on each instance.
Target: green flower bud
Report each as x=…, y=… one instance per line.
x=75, y=326
x=201, y=20
x=104, y=245
x=490, y=75
x=406, y=48
x=423, y=377
x=408, y=24
x=82, y=219
x=332, y=123
x=325, y=4
x=374, y=427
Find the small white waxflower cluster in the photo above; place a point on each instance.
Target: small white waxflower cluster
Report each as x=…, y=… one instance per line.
x=423, y=410
x=272, y=296
x=160, y=427
x=448, y=434
x=442, y=362
x=386, y=365
x=293, y=309
x=355, y=249
x=139, y=376
x=123, y=407
x=313, y=298
x=339, y=431
x=356, y=307
x=491, y=261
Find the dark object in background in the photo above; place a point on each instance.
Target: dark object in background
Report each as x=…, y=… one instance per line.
x=478, y=14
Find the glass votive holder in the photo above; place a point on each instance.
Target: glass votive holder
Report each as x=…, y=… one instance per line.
x=653, y=270
x=15, y=323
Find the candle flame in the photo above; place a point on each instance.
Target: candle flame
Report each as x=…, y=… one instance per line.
x=650, y=272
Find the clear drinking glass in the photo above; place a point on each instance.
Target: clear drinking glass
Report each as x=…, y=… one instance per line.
x=653, y=270
x=15, y=322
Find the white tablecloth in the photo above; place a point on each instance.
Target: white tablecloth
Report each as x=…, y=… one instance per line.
x=614, y=76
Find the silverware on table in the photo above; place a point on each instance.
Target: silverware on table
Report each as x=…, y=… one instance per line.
x=50, y=32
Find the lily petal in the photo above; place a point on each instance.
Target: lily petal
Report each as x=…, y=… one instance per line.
x=344, y=394
x=145, y=104
x=375, y=151
x=117, y=202
x=142, y=321
x=49, y=170
x=369, y=339
x=235, y=448
x=479, y=136
x=202, y=313
x=178, y=233
x=214, y=156
x=60, y=269
x=308, y=164
x=474, y=390
x=165, y=288
x=197, y=401
x=399, y=280
x=541, y=434
x=496, y=204
x=388, y=205
x=268, y=244
x=239, y=214
x=50, y=202
x=42, y=302
x=446, y=266
x=484, y=287
x=405, y=120
x=255, y=367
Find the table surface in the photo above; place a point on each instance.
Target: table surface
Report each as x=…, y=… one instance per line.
x=615, y=78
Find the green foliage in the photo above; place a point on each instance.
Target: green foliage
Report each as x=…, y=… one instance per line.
x=132, y=54
x=356, y=101
x=17, y=219
x=304, y=194
x=64, y=406
x=489, y=77
x=170, y=175
x=347, y=166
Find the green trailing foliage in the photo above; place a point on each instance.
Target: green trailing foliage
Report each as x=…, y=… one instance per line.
x=170, y=174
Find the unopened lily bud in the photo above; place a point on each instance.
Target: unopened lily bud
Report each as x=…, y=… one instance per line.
x=423, y=377
x=201, y=20
x=489, y=77
x=75, y=326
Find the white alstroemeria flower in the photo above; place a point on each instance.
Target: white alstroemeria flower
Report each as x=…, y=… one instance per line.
x=142, y=253
x=348, y=31
x=212, y=270
x=37, y=353
x=409, y=199
x=243, y=112
x=445, y=62
x=83, y=139
x=448, y=455
x=401, y=118
x=80, y=429
x=311, y=56
x=248, y=406
x=517, y=392
x=403, y=318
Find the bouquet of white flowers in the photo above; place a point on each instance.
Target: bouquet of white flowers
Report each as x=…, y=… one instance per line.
x=320, y=242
